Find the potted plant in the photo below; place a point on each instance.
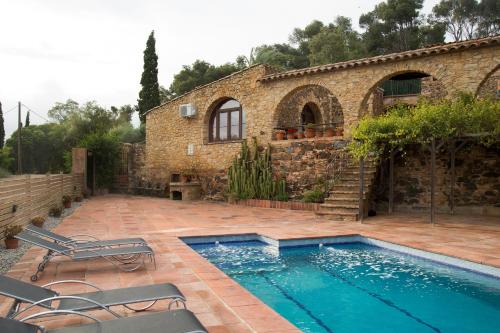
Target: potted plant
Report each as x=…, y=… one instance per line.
x=78, y=198
x=9, y=233
x=319, y=133
x=55, y=212
x=310, y=131
x=329, y=132
x=86, y=194
x=38, y=221
x=300, y=135
x=66, y=200
x=339, y=131
x=291, y=133
x=280, y=135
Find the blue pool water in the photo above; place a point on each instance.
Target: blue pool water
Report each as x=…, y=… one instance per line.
x=360, y=288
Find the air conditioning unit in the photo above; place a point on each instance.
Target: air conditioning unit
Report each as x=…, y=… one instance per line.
x=187, y=110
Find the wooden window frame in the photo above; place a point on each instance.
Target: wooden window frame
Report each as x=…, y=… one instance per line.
x=215, y=119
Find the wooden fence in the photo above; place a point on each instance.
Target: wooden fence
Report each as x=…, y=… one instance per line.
x=24, y=197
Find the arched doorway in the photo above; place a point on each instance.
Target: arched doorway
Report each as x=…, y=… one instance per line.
x=400, y=88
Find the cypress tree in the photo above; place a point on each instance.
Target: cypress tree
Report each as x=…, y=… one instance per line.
x=2, y=130
x=27, y=121
x=149, y=96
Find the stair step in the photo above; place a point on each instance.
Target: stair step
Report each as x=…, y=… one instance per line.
x=351, y=188
x=337, y=216
x=342, y=200
x=342, y=206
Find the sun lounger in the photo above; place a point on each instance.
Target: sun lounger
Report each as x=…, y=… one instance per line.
x=126, y=258
x=176, y=321
x=43, y=296
x=80, y=243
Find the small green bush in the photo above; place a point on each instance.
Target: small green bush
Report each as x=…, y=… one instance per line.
x=11, y=231
x=55, y=211
x=4, y=173
x=316, y=195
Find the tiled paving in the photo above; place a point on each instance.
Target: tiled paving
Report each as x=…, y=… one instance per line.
x=219, y=302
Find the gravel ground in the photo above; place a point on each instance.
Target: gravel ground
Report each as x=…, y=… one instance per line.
x=8, y=258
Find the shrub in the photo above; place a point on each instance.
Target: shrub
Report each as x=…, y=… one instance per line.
x=55, y=211
x=66, y=199
x=443, y=120
x=106, y=152
x=4, y=173
x=316, y=195
x=11, y=231
x=38, y=221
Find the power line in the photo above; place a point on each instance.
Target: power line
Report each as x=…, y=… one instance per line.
x=12, y=109
x=31, y=110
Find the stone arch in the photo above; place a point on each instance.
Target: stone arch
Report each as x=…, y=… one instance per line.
x=323, y=102
x=488, y=85
x=432, y=87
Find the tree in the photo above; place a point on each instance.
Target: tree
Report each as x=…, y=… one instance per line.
x=396, y=26
x=62, y=111
x=149, y=96
x=335, y=42
x=2, y=129
x=459, y=16
x=199, y=73
x=282, y=56
x=27, y=121
x=489, y=18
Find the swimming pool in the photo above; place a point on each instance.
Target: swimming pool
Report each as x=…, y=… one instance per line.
x=355, y=287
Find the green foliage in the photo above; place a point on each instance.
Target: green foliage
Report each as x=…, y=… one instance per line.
x=55, y=211
x=27, y=121
x=105, y=148
x=316, y=195
x=281, y=56
x=199, y=73
x=403, y=125
x=251, y=177
x=42, y=147
x=466, y=19
x=11, y=231
x=5, y=158
x=397, y=25
x=149, y=96
x=335, y=42
x=125, y=132
x=2, y=129
x=4, y=173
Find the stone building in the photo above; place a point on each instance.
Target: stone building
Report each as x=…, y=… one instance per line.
x=257, y=101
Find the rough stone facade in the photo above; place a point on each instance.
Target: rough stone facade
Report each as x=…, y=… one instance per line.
x=305, y=163
x=340, y=93
x=477, y=171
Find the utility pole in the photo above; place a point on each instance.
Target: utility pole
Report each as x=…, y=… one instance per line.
x=19, y=165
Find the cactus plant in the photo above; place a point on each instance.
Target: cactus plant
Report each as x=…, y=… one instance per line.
x=250, y=175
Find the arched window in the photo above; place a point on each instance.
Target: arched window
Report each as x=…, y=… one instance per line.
x=227, y=122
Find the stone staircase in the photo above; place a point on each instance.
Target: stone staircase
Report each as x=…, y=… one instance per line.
x=343, y=201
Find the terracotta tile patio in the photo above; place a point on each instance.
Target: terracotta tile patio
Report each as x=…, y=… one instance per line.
x=219, y=302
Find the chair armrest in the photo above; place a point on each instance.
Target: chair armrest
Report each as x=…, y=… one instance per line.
x=57, y=298
x=71, y=281
x=53, y=312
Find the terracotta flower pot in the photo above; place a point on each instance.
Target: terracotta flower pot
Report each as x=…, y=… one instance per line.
x=319, y=134
x=329, y=132
x=339, y=132
x=11, y=243
x=78, y=199
x=67, y=204
x=300, y=135
x=280, y=135
x=310, y=133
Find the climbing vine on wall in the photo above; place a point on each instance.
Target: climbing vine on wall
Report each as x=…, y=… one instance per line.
x=403, y=125
x=250, y=175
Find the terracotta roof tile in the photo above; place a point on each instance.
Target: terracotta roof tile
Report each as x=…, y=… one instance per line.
x=433, y=49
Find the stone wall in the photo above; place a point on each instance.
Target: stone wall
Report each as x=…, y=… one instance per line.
x=345, y=91
x=477, y=186
x=304, y=163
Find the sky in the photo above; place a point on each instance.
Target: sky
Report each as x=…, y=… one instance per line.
x=54, y=50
